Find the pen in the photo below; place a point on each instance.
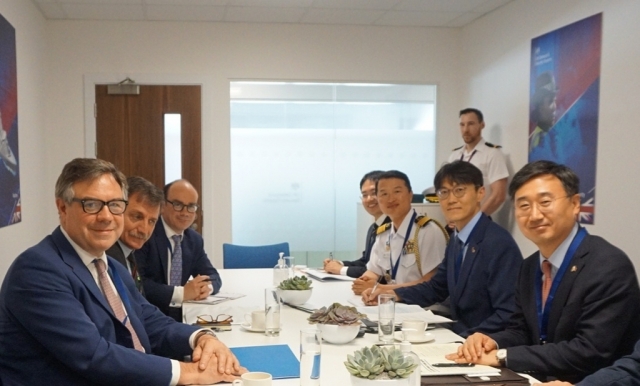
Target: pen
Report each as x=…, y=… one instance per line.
x=375, y=285
x=331, y=256
x=453, y=365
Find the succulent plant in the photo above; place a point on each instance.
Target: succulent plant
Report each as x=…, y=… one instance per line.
x=296, y=283
x=379, y=363
x=336, y=314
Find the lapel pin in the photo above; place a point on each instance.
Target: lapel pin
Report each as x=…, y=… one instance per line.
x=574, y=268
x=473, y=249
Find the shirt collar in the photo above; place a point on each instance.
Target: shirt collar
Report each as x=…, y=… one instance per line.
x=125, y=250
x=402, y=229
x=478, y=147
x=85, y=256
x=170, y=232
x=557, y=257
x=380, y=220
x=464, y=234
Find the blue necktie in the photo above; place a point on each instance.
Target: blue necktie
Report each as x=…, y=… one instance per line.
x=175, y=278
x=459, y=251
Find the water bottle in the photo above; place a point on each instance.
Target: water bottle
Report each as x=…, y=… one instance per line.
x=414, y=378
x=280, y=271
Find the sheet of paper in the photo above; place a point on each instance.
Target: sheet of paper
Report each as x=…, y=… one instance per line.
x=404, y=312
x=217, y=298
x=323, y=276
x=435, y=353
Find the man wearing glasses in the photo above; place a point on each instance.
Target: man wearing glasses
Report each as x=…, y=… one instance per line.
x=481, y=262
x=70, y=315
x=577, y=299
x=173, y=263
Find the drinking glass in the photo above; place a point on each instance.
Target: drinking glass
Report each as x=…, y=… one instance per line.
x=386, y=316
x=272, y=305
x=310, y=348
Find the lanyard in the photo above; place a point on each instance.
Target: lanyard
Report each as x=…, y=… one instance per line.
x=122, y=290
x=472, y=154
x=394, y=271
x=543, y=314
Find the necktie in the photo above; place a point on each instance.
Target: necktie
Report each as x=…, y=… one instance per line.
x=546, y=284
x=134, y=272
x=115, y=302
x=459, y=250
x=175, y=278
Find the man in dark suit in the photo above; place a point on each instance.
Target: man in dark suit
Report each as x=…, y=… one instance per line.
x=481, y=261
x=140, y=219
x=70, y=315
x=356, y=268
x=577, y=299
x=173, y=264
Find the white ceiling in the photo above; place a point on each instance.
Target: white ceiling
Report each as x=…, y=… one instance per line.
x=414, y=13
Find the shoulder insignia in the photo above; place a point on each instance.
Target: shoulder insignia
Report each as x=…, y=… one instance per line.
x=458, y=148
x=383, y=228
x=422, y=221
x=492, y=145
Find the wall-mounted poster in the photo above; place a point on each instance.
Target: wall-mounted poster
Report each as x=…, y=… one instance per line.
x=10, y=211
x=564, y=99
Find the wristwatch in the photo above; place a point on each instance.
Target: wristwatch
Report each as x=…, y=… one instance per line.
x=501, y=356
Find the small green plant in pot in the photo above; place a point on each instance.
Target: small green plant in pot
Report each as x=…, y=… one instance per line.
x=376, y=363
x=339, y=324
x=295, y=291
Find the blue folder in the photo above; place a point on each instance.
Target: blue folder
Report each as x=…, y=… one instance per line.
x=277, y=360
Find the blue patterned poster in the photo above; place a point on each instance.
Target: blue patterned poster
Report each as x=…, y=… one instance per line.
x=10, y=210
x=564, y=102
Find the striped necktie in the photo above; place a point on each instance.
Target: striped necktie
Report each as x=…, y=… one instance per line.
x=115, y=302
x=546, y=284
x=175, y=278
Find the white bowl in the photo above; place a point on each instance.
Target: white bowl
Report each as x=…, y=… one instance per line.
x=295, y=297
x=355, y=381
x=336, y=334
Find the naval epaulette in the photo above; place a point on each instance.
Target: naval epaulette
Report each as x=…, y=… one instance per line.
x=422, y=221
x=383, y=228
x=458, y=148
x=492, y=145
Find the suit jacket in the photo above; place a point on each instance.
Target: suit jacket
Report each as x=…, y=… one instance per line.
x=594, y=318
x=57, y=327
x=153, y=259
x=358, y=267
x=482, y=299
x=118, y=254
x=624, y=372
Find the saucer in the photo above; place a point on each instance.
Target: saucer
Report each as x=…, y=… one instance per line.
x=427, y=337
x=247, y=327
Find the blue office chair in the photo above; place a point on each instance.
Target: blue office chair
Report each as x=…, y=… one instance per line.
x=261, y=256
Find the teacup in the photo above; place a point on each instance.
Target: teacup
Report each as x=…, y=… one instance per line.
x=413, y=330
x=256, y=319
x=254, y=379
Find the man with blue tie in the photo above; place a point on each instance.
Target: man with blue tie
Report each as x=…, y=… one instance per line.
x=71, y=315
x=356, y=268
x=481, y=261
x=173, y=263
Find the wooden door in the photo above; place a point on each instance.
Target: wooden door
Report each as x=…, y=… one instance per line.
x=130, y=132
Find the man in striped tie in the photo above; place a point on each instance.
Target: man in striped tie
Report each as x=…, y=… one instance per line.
x=71, y=315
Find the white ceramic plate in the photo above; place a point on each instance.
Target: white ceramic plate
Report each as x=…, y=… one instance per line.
x=427, y=337
x=247, y=327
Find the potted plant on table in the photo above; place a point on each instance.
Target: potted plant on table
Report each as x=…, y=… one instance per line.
x=339, y=324
x=386, y=366
x=295, y=291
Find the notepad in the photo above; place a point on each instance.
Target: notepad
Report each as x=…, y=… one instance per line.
x=435, y=353
x=284, y=363
x=323, y=276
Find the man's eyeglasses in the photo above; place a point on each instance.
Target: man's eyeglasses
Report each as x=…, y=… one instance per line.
x=92, y=206
x=545, y=205
x=366, y=196
x=458, y=191
x=220, y=319
x=178, y=206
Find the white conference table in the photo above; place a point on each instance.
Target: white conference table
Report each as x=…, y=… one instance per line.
x=252, y=283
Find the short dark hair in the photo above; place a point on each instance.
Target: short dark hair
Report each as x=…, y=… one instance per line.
x=86, y=169
x=459, y=172
x=394, y=174
x=569, y=179
x=149, y=193
x=470, y=110
x=372, y=175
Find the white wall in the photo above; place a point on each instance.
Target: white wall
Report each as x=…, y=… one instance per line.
x=496, y=51
x=36, y=205
x=217, y=53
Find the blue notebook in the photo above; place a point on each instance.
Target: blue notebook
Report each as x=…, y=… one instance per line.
x=284, y=363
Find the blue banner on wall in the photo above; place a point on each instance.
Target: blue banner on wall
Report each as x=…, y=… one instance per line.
x=564, y=100
x=10, y=209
